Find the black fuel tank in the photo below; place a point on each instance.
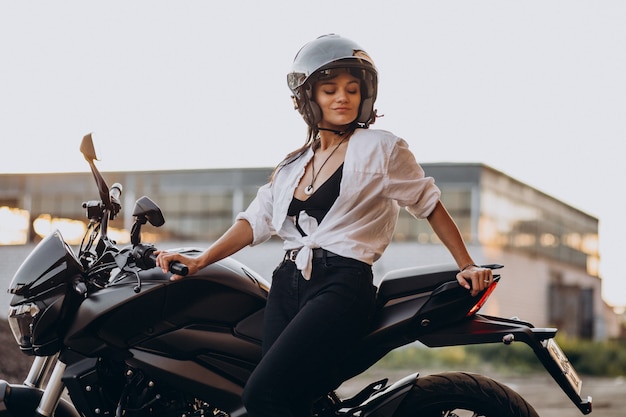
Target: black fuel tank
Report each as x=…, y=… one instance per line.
x=224, y=298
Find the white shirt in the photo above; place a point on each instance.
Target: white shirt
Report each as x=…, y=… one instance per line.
x=380, y=175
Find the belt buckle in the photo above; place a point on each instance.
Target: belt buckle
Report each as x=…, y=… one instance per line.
x=291, y=255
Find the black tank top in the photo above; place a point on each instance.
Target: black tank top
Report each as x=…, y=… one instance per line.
x=318, y=204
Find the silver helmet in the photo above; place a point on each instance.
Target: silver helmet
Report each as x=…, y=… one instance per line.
x=323, y=54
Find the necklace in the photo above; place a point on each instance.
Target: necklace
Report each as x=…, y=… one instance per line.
x=309, y=188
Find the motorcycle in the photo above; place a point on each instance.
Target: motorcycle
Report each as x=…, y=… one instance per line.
x=111, y=335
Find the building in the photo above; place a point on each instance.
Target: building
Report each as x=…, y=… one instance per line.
x=549, y=249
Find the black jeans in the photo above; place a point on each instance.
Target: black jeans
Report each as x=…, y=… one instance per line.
x=309, y=326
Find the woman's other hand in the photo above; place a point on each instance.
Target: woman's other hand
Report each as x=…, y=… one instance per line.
x=475, y=279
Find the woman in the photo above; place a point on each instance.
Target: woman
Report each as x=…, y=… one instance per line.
x=335, y=204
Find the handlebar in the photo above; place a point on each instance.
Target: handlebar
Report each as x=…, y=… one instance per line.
x=145, y=258
x=116, y=191
x=114, y=200
x=175, y=267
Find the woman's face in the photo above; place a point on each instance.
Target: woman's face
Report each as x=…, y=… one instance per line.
x=339, y=99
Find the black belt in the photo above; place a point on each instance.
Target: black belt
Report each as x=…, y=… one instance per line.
x=290, y=255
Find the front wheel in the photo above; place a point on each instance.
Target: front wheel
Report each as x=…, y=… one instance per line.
x=462, y=394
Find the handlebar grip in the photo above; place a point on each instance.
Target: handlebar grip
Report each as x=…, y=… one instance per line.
x=114, y=204
x=178, y=268
x=175, y=267
x=116, y=191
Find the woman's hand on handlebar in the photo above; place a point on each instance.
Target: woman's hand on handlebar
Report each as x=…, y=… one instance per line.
x=165, y=258
x=237, y=237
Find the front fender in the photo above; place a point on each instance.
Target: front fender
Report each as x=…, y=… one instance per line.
x=20, y=400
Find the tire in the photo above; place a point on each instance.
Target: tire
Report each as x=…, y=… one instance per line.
x=462, y=394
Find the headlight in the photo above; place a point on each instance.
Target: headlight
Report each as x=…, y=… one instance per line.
x=21, y=320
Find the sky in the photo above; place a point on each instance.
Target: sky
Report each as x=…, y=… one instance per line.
x=535, y=89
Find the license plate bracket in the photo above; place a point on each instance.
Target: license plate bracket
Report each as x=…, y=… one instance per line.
x=564, y=365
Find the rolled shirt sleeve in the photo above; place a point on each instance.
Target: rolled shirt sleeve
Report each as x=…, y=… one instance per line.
x=258, y=214
x=407, y=184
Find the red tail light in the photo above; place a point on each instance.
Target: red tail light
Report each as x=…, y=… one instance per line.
x=482, y=299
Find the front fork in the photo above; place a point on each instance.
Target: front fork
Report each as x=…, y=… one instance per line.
x=52, y=369
x=39, y=370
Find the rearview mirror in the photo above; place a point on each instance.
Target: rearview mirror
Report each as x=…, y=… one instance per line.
x=146, y=208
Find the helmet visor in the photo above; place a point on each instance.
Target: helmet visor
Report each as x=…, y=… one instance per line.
x=329, y=51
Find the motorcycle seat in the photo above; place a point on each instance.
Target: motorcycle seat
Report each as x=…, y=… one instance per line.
x=414, y=280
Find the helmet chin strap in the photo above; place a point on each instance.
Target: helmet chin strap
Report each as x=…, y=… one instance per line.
x=350, y=128
x=336, y=132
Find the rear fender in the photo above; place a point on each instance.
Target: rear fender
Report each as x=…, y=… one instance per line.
x=385, y=402
x=488, y=329
x=20, y=400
